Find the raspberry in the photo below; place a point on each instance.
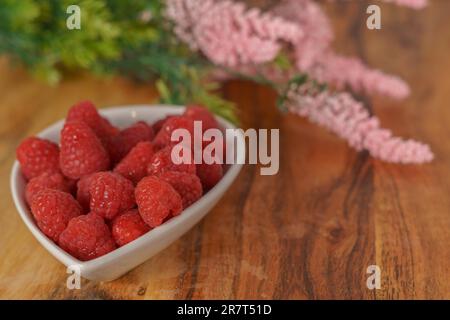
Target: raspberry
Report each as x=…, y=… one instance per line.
x=81, y=151
x=200, y=113
x=46, y=180
x=37, y=156
x=83, y=196
x=86, y=112
x=159, y=124
x=128, y=138
x=207, y=148
x=162, y=139
x=53, y=210
x=209, y=174
x=72, y=185
x=110, y=194
x=134, y=165
x=128, y=226
x=162, y=161
x=87, y=237
x=157, y=200
x=186, y=184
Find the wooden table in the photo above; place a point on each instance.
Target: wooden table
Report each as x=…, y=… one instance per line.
x=308, y=232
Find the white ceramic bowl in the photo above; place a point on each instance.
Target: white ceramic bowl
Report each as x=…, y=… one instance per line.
x=115, y=264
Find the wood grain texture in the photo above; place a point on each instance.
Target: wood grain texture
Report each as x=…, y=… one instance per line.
x=308, y=232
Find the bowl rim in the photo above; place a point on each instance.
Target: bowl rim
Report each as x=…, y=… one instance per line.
x=67, y=259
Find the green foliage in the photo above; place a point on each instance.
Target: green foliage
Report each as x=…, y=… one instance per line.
x=129, y=38
x=283, y=62
x=293, y=83
x=35, y=33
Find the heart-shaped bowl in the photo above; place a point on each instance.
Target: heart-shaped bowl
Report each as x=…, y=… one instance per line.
x=118, y=262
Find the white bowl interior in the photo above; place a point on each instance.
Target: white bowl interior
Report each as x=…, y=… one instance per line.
x=123, y=259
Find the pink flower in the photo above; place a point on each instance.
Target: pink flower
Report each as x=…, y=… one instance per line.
x=343, y=115
x=247, y=40
x=229, y=34
x=342, y=71
x=314, y=55
x=316, y=27
x=415, y=4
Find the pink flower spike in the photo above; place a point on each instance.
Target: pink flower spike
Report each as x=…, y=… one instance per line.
x=348, y=118
x=314, y=55
x=228, y=33
x=414, y=4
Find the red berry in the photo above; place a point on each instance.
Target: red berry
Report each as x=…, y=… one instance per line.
x=83, y=196
x=81, y=151
x=209, y=174
x=53, y=210
x=46, y=180
x=210, y=147
x=157, y=200
x=110, y=194
x=86, y=112
x=162, y=161
x=87, y=237
x=163, y=138
x=134, y=165
x=186, y=184
x=200, y=113
x=128, y=226
x=122, y=144
x=72, y=185
x=37, y=156
x=159, y=124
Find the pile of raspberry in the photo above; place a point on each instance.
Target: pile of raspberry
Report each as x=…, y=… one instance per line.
x=103, y=187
